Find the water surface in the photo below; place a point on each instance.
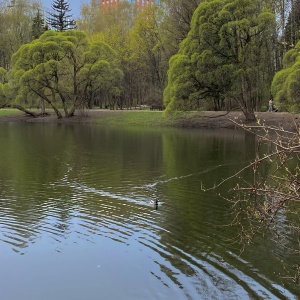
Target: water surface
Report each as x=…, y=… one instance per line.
x=77, y=219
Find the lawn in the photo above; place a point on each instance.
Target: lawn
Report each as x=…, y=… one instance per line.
x=10, y=111
x=134, y=118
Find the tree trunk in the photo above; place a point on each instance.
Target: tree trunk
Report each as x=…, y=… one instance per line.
x=43, y=109
x=57, y=112
x=246, y=106
x=21, y=108
x=249, y=114
x=71, y=112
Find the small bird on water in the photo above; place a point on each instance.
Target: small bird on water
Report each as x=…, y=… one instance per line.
x=154, y=203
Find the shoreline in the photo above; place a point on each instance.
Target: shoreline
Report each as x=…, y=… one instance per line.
x=207, y=119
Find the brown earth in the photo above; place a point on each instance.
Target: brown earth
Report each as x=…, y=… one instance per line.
x=207, y=119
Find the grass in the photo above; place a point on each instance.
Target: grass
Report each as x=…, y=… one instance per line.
x=157, y=119
x=9, y=111
x=135, y=118
x=146, y=118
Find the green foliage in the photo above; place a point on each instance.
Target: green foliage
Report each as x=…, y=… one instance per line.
x=225, y=55
x=112, y=23
x=146, y=64
x=3, y=82
x=183, y=87
x=64, y=70
x=136, y=38
x=16, y=22
x=176, y=23
x=38, y=25
x=286, y=83
x=3, y=75
x=8, y=112
x=292, y=27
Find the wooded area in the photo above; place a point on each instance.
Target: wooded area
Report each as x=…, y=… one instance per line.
x=185, y=55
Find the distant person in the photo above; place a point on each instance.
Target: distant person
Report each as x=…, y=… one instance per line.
x=270, y=105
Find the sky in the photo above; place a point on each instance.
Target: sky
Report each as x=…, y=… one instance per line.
x=74, y=6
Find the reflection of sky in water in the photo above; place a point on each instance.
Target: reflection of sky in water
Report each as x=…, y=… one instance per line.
x=83, y=244
x=82, y=235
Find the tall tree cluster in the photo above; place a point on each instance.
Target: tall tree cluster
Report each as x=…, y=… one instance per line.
x=177, y=22
x=292, y=26
x=63, y=70
x=170, y=31
x=197, y=55
x=136, y=37
x=285, y=85
x=15, y=27
x=225, y=56
x=39, y=25
x=187, y=55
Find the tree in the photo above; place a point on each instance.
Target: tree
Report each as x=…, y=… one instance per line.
x=146, y=58
x=292, y=27
x=112, y=25
x=176, y=22
x=225, y=55
x=3, y=81
x=285, y=85
x=269, y=204
x=38, y=25
x=95, y=20
x=64, y=70
x=90, y=17
x=100, y=74
x=15, y=27
x=285, y=30
x=60, y=20
x=137, y=40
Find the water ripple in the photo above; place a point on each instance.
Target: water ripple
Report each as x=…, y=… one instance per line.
x=125, y=216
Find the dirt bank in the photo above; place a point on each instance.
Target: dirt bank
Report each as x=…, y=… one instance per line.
x=187, y=120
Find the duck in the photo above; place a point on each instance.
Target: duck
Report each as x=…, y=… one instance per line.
x=154, y=202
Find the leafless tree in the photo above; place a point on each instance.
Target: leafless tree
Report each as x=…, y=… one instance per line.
x=268, y=204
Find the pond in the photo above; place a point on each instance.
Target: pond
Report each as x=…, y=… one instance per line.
x=79, y=220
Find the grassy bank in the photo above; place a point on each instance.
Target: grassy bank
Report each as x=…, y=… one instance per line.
x=10, y=112
x=160, y=119
x=146, y=118
x=135, y=118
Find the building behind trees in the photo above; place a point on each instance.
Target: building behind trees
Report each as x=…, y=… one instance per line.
x=139, y=3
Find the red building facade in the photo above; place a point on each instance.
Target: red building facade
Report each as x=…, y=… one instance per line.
x=139, y=3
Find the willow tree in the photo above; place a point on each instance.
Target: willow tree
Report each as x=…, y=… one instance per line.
x=112, y=25
x=286, y=82
x=3, y=81
x=224, y=56
x=62, y=70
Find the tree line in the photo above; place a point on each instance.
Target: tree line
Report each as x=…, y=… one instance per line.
x=185, y=55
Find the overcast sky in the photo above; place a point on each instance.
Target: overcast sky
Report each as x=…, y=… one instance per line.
x=74, y=5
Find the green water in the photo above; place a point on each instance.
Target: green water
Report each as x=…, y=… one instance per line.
x=77, y=219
